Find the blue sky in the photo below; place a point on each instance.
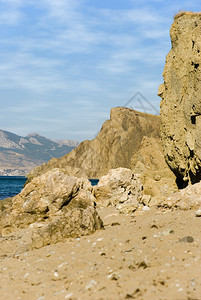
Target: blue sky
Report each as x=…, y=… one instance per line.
x=65, y=63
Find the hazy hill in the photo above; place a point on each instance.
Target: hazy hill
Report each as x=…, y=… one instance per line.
x=18, y=155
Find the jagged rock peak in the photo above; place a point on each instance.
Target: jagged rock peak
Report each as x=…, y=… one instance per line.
x=180, y=104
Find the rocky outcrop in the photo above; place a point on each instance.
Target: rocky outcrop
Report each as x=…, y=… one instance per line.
x=117, y=142
x=185, y=199
x=131, y=140
x=180, y=104
x=120, y=188
x=157, y=178
x=52, y=207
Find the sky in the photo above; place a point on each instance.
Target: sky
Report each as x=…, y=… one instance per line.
x=65, y=63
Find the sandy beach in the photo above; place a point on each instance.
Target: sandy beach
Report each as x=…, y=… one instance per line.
x=153, y=254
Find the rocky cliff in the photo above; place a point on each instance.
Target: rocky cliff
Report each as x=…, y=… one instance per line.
x=130, y=139
x=18, y=155
x=181, y=103
x=117, y=142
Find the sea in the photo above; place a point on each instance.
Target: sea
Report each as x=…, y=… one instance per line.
x=12, y=185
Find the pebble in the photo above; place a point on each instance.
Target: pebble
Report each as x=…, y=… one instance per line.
x=99, y=240
x=68, y=296
x=113, y=276
x=62, y=264
x=56, y=274
x=198, y=213
x=59, y=293
x=146, y=208
x=26, y=275
x=167, y=232
x=187, y=239
x=91, y=284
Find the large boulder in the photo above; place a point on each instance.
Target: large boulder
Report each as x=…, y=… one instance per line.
x=120, y=188
x=52, y=207
x=180, y=104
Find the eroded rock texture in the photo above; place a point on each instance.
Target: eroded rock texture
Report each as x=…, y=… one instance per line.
x=181, y=99
x=49, y=209
x=185, y=199
x=157, y=178
x=130, y=139
x=114, y=146
x=120, y=188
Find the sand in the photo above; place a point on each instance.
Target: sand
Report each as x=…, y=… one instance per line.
x=154, y=254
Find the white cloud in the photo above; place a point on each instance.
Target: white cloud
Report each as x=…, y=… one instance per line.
x=78, y=61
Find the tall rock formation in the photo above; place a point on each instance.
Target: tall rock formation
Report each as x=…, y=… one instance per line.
x=181, y=99
x=115, y=145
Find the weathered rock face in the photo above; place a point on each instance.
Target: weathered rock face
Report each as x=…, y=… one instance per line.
x=181, y=104
x=118, y=140
x=157, y=178
x=120, y=188
x=52, y=207
x=185, y=199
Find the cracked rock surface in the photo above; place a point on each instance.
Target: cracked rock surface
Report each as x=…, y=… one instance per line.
x=181, y=102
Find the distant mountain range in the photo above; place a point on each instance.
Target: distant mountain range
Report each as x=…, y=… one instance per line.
x=18, y=155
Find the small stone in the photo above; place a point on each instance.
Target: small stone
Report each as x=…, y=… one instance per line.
x=146, y=199
x=115, y=224
x=157, y=177
x=114, y=277
x=187, y=239
x=68, y=296
x=91, y=284
x=56, y=274
x=167, y=232
x=154, y=226
x=119, y=206
x=142, y=264
x=198, y=213
x=145, y=208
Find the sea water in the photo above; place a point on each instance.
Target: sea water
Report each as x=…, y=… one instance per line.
x=12, y=185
